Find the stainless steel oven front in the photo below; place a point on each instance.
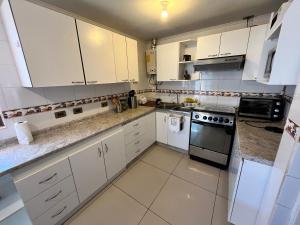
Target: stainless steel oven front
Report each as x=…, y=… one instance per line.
x=211, y=137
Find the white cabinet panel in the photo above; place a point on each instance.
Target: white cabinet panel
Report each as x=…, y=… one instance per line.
x=50, y=45
x=161, y=127
x=120, y=53
x=149, y=133
x=90, y=176
x=132, y=59
x=181, y=138
x=97, y=53
x=208, y=46
x=114, y=153
x=253, y=179
x=254, y=51
x=167, y=61
x=234, y=42
x=289, y=190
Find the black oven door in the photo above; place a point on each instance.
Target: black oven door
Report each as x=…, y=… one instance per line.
x=212, y=137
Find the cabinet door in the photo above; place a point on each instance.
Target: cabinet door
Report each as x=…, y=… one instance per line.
x=254, y=52
x=88, y=170
x=161, y=127
x=97, y=53
x=208, y=46
x=132, y=59
x=120, y=53
x=149, y=131
x=181, y=138
x=114, y=153
x=234, y=42
x=168, y=61
x=50, y=45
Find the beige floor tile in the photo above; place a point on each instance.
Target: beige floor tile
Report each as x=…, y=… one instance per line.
x=223, y=184
x=143, y=182
x=113, y=207
x=152, y=219
x=163, y=158
x=220, y=212
x=198, y=173
x=182, y=203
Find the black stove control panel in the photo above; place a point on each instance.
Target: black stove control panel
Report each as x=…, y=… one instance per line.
x=213, y=118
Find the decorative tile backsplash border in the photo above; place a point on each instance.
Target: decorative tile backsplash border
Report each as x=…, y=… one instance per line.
x=51, y=107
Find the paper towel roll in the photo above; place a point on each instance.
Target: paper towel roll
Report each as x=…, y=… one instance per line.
x=23, y=132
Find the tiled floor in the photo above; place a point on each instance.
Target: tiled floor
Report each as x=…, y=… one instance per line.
x=163, y=187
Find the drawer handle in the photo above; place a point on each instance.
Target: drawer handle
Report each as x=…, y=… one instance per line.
x=59, y=212
x=77, y=82
x=100, y=152
x=92, y=82
x=135, y=125
x=137, y=133
x=136, y=143
x=106, y=148
x=54, y=196
x=48, y=179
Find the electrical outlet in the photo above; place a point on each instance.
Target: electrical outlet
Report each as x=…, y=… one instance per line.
x=60, y=114
x=104, y=104
x=77, y=110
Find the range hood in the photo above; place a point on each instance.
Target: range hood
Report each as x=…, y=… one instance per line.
x=234, y=60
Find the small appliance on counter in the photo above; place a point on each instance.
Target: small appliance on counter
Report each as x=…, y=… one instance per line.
x=269, y=108
x=212, y=134
x=132, y=100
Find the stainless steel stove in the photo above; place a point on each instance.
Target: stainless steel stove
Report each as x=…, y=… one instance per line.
x=212, y=133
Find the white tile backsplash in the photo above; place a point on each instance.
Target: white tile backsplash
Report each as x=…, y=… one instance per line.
x=211, y=100
x=9, y=76
x=228, y=101
x=59, y=94
x=210, y=85
x=84, y=92
x=229, y=85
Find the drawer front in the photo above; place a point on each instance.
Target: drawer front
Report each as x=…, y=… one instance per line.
x=32, y=185
x=58, y=212
x=133, y=136
x=45, y=200
x=132, y=126
x=133, y=150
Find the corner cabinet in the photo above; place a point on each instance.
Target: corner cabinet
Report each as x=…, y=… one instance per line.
x=97, y=53
x=132, y=60
x=120, y=53
x=44, y=44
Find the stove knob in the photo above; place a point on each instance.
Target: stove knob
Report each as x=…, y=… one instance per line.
x=221, y=119
x=210, y=118
x=197, y=116
x=205, y=117
x=215, y=119
x=226, y=120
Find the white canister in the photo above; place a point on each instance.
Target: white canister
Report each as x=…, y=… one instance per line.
x=23, y=133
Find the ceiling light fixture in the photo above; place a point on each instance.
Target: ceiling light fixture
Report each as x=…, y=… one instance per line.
x=164, y=5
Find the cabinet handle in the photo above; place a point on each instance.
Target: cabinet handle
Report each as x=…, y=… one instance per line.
x=77, y=82
x=106, y=148
x=92, y=82
x=54, y=196
x=137, y=133
x=227, y=53
x=136, y=143
x=172, y=79
x=100, y=152
x=48, y=179
x=125, y=80
x=212, y=55
x=59, y=212
x=132, y=80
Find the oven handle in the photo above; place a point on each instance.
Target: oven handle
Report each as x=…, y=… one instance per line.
x=228, y=129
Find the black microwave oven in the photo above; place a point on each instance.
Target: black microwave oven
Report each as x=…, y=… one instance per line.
x=270, y=108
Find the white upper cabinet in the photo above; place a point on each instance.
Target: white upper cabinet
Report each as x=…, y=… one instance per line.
x=208, y=46
x=120, y=53
x=168, y=61
x=234, y=42
x=132, y=59
x=114, y=153
x=44, y=44
x=254, y=52
x=97, y=53
x=90, y=176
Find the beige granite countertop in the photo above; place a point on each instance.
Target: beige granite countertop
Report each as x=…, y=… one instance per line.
x=14, y=156
x=258, y=144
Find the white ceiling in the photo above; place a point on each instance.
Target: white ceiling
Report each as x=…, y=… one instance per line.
x=141, y=18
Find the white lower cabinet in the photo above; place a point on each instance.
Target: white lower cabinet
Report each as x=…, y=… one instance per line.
x=176, y=139
x=247, y=182
x=139, y=135
x=113, y=147
x=88, y=170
